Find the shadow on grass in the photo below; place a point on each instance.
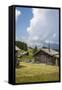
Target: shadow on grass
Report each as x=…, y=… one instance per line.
x=20, y=66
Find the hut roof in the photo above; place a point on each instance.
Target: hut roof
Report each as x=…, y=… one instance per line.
x=51, y=52
x=17, y=49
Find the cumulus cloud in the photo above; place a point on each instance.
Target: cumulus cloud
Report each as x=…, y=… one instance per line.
x=38, y=15
x=18, y=13
x=37, y=25
x=41, y=27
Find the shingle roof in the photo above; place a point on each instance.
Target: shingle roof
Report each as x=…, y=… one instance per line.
x=51, y=52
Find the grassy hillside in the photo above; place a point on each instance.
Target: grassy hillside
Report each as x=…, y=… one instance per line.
x=28, y=72
x=26, y=58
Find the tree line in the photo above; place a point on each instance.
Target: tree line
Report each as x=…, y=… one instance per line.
x=22, y=45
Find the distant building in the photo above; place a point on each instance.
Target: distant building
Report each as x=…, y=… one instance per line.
x=19, y=52
x=47, y=56
x=17, y=49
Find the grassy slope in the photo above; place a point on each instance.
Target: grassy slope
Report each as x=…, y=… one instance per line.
x=27, y=57
x=27, y=72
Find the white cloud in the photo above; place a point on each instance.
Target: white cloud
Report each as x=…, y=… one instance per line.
x=36, y=30
x=38, y=15
x=35, y=38
x=41, y=27
x=54, y=35
x=18, y=13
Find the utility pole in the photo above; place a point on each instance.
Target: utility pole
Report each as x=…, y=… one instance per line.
x=49, y=45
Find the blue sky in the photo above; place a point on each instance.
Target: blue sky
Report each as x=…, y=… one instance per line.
x=22, y=22
x=35, y=26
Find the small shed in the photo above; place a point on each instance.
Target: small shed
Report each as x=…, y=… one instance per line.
x=17, y=51
x=47, y=56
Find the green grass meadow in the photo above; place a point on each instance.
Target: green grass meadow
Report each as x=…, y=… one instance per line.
x=29, y=72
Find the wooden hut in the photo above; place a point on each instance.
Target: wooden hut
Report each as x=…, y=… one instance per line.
x=47, y=56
